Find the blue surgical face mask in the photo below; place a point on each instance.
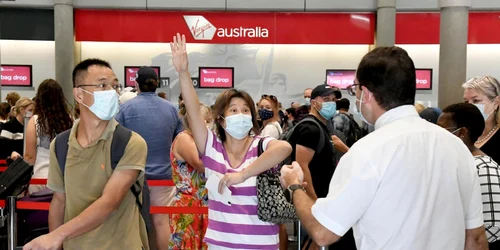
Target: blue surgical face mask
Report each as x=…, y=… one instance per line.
x=106, y=104
x=308, y=101
x=328, y=110
x=265, y=114
x=238, y=125
x=358, y=110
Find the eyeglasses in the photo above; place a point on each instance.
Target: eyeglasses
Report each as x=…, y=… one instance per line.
x=351, y=90
x=103, y=86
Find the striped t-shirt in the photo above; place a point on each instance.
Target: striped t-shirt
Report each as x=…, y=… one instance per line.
x=236, y=226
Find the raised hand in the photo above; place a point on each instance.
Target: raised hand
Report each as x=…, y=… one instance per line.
x=179, y=54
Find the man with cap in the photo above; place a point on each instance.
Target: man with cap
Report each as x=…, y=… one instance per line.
x=156, y=120
x=318, y=162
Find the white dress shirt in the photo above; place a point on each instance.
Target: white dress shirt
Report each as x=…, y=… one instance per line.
x=408, y=185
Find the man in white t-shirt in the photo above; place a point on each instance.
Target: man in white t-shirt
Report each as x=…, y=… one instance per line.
x=407, y=185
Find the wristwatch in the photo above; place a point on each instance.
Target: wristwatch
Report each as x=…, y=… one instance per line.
x=290, y=189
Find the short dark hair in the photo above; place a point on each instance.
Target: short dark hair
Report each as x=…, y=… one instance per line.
x=343, y=103
x=150, y=85
x=83, y=67
x=389, y=73
x=292, y=112
x=180, y=97
x=466, y=115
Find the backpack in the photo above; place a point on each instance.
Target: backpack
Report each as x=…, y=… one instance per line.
x=355, y=132
x=121, y=137
x=286, y=136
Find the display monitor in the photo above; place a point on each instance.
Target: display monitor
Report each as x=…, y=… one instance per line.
x=340, y=78
x=343, y=78
x=17, y=75
x=424, y=79
x=131, y=72
x=216, y=77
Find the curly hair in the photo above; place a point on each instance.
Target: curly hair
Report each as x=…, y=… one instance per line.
x=51, y=106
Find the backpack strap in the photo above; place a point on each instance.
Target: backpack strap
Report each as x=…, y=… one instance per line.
x=260, y=147
x=61, y=149
x=277, y=128
x=322, y=133
x=121, y=137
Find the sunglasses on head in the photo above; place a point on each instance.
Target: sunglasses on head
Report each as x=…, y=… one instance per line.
x=270, y=96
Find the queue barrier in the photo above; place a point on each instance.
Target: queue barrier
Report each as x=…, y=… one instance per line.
x=31, y=205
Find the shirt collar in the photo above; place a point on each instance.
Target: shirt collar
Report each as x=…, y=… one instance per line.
x=108, y=132
x=148, y=94
x=395, y=114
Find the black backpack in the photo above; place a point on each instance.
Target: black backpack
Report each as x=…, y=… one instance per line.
x=121, y=137
x=286, y=136
x=355, y=132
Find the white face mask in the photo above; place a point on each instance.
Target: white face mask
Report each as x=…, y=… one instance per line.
x=358, y=110
x=106, y=104
x=481, y=108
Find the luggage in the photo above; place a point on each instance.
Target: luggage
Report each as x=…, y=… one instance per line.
x=15, y=179
x=33, y=223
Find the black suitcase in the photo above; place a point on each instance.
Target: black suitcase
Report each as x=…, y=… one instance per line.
x=15, y=180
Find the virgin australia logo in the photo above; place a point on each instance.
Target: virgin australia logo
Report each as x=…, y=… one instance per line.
x=200, y=28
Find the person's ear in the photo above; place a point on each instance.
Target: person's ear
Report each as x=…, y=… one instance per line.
x=221, y=121
x=497, y=102
x=78, y=94
x=463, y=133
x=368, y=95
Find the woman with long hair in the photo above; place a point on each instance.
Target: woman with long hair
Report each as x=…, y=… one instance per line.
x=24, y=108
x=230, y=157
x=269, y=114
x=188, y=173
x=51, y=117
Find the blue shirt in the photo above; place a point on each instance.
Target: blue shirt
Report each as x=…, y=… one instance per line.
x=156, y=120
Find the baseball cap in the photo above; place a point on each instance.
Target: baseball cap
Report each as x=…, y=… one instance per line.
x=144, y=74
x=326, y=90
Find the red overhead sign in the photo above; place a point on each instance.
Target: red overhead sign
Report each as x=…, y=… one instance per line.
x=16, y=75
x=423, y=28
x=225, y=27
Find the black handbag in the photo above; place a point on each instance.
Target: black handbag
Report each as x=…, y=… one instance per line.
x=15, y=180
x=272, y=204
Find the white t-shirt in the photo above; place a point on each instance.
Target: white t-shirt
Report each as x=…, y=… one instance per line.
x=272, y=129
x=408, y=185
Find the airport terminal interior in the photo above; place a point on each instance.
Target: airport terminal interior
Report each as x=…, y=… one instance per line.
x=263, y=124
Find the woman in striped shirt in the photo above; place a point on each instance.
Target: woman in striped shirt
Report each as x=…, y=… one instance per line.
x=231, y=153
